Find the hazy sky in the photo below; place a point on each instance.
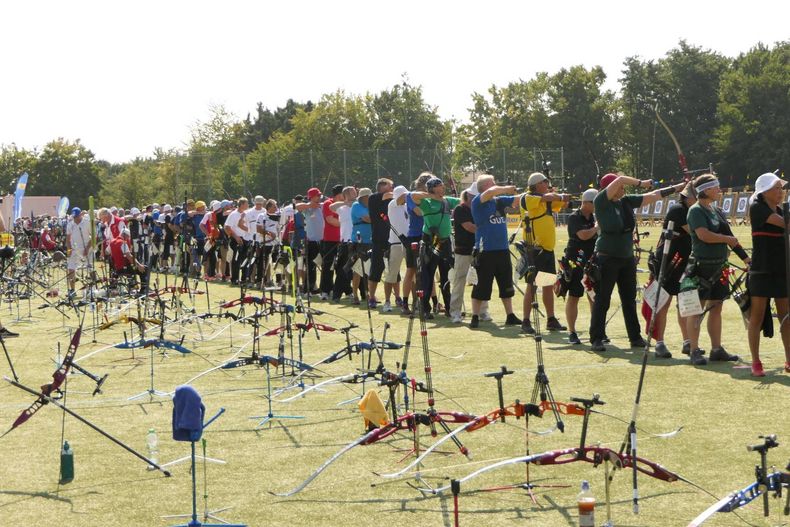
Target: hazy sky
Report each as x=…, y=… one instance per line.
x=126, y=77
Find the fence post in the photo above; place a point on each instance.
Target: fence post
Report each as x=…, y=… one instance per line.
x=312, y=184
x=345, y=176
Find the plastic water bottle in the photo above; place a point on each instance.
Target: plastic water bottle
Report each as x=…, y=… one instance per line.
x=66, y=463
x=153, y=447
x=586, y=502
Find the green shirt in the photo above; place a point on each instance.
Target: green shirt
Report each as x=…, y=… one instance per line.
x=437, y=216
x=699, y=216
x=616, y=221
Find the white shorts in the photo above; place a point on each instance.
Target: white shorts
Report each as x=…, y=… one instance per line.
x=76, y=259
x=394, y=263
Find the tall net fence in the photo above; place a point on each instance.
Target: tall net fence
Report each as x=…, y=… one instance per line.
x=215, y=175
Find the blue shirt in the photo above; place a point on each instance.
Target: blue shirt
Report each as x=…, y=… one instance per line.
x=361, y=228
x=415, y=221
x=157, y=225
x=314, y=224
x=491, y=222
x=196, y=219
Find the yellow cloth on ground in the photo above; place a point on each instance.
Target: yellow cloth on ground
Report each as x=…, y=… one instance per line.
x=373, y=410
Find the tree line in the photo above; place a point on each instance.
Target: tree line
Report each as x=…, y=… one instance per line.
x=726, y=113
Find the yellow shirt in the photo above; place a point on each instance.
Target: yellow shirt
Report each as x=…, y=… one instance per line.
x=541, y=223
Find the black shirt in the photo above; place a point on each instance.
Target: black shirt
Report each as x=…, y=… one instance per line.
x=681, y=242
x=168, y=233
x=134, y=228
x=768, y=248
x=576, y=246
x=379, y=226
x=464, y=240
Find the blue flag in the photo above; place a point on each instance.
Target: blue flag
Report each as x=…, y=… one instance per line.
x=19, y=195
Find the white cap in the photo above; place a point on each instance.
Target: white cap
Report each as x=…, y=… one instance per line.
x=472, y=190
x=589, y=194
x=259, y=199
x=765, y=182
x=399, y=191
x=125, y=232
x=135, y=211
x=167, y=208
x=535, y=178
x=216, y=205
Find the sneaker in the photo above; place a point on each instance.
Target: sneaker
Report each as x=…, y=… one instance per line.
x=386, y=308
x=720, y=355
x=372, y=303
x=512, y=320
x=598, y=347
x=697, y=359
x=606, y=340
x=486, y=317
x=686, y=348
x=457, y=318
x=7, y=334
x=355, y=302
x=573, y=338
x=638, y=343
x=475, y=322
x=757, y=369
x=662, y=352
x=526, y=327
x=398, y=302
x=324, y=296
x=552, y=324
x=404, y=310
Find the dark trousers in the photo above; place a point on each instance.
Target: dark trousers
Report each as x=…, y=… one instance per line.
x=443, y=261
x=313, y=250
x=239, y=255
x=342, y=285
x=622, y=272
x=328, y=252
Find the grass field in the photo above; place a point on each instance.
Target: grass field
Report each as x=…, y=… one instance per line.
x=720, y=407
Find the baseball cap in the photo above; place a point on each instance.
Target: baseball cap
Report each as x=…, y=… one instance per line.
x=589, y=194
x=607, y=179
x=337, y=189
x=313, y=192
x=535, y=178
x=134, y=211
x=399, y=191
x=472, y=190
x=76, y=211
x=259, y=199
x=125, y=232
x=216, y=206
x=226, y=203
x=167, y=208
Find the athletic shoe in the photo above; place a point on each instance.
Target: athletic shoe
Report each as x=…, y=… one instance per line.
x=475, y=322
x=457, y=318
x=512, y=320
x=398, y=302
x=697, y=359
x=573, y=338
x=552, y=324
x=662, y=352
x=324, y=296
x=526, y=327
x=686, y=348
x=606, y=340
x=372, y=304
x=638, y=343
x=757, y=369
x=404, y=310
x=598, y=347
x=355, y=302
x=386, y=308
x=429, y=316
x=486, y=317
x=720, y=355
x=7, y=334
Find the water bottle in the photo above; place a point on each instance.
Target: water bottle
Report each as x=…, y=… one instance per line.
x=66, y=463
x=153, y=447
x=586, y=502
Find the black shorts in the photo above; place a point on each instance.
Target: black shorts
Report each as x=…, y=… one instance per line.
x=377, y=256
x=767, y=285
x=494, y=265
x=710, y=285
x=544, y=262
x=411, y=255
x=575, y=286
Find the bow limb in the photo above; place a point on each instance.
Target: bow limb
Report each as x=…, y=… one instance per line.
x=309, y=389
x=681, y=155
x=367, y=439
x=430, y=449
x=489, y=468
x=710, y=511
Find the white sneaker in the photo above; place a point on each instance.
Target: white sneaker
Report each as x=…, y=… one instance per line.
x=324, y=296
x=486, y=317
x=386, y=307
x=457, y=318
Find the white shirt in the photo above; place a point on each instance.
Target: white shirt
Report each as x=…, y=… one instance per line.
x=252, y=216
x=80, y=234
x=234, y=218
x=346, y=223
x=271, y=226
x=399, y=219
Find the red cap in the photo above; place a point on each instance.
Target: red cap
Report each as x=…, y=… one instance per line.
x=607, y=179
x=313, y=192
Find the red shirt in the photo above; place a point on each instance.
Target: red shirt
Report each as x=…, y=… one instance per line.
x=119, y=260
x=331, y=233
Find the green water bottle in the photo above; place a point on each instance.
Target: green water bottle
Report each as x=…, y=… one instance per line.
x=66, y=463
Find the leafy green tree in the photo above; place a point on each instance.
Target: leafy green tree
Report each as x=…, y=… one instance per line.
x=66, y=168
x=14, y=161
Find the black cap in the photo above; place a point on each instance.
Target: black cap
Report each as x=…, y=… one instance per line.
x=337, y=189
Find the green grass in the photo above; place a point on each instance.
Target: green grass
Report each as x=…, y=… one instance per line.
x=720, y=407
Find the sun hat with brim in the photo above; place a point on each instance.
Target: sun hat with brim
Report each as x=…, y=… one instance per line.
x=365, y=191
x=472, y=190
x=536, y=178
x=589, y=194
x=764, y=183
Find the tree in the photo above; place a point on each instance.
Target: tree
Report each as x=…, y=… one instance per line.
x=66, y=168
x=14, y=161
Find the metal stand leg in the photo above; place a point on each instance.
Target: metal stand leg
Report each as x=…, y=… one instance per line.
x=270, y=415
